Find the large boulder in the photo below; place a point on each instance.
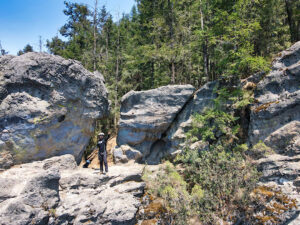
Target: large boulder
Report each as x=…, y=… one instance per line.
x=48, y=106
x=146, y=116
x=275, y=121
x=55, y=191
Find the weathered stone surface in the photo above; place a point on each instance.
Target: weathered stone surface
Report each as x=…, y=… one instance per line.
x=283, y=172
x=125, y=153
x=278, y=97
x=55, y=191
x=275, y=120
x=146, y=115
x=47, y=107
x=203, y=99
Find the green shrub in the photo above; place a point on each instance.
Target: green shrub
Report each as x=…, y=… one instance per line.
x=212, y=125
x=214, y=183
x=260, y=150
x=226, y=179
x=171, y=187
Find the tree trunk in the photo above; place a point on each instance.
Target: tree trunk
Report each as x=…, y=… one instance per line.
x=294, y=28
x=95, y=35
x=171, y=23
x=152, y=74
x=173, y=73
x=204, y=45
x=106, y=46
x=116, y=95
x=117, y=79
x=40, y=43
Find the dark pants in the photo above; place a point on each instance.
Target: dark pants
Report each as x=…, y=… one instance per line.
x=103, y=159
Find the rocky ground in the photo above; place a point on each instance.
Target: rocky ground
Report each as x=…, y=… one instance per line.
x=56, y=191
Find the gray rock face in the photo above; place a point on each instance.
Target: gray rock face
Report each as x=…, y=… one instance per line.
x=54, y=191
x=48, y=106
x=146, y=115
x=203, y=99
x=281, y=171
x=275, y=120
x=154, y=122
x=278, y=96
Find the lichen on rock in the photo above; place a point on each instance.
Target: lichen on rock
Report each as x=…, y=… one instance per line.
x=48, y=106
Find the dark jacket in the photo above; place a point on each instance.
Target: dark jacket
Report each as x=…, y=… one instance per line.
x=101, y=144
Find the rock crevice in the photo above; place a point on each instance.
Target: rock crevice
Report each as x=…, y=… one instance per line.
x=151, y=140
x=145, y=117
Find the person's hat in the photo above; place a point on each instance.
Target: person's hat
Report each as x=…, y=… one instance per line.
x=101, y=134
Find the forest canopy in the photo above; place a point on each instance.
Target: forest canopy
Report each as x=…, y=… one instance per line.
x=165, y=42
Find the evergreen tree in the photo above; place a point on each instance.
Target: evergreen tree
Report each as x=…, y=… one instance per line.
x=79, y=32
x=165, y=42
x=27, y=48
x=293, y=16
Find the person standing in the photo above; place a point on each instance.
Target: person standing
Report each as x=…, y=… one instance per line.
x=102, y=153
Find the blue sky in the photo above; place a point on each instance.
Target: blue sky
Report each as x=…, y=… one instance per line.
x=22, y=21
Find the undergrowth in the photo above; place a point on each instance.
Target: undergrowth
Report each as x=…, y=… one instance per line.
x=217, y=182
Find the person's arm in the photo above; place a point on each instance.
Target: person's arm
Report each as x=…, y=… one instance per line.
x=107, y=138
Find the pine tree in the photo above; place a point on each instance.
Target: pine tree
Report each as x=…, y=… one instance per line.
x=27, y=48
x=293, y=17
x=165, y=42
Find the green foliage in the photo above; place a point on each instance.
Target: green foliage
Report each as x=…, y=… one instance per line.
x=214, y=184
x=226, y=179
x=27, y=48
x=78, y=31
x=213, y=124
x=246, y=98
x=171, y=187
x=218, y=179
x=181, y=42
x=198, y=193
x=260, y=150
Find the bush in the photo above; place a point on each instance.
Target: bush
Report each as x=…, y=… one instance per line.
x=225, y=180
x=216, y=179
x=260, y=150
x=171, y=187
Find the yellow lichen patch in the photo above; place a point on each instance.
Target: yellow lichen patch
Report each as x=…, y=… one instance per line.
x=265, y=219
x=273, y=203
x=265, y=106
x=263, y=190
x=38, y=120
x=155, y=208
x=149, y=222
x=290, y=203
x=52, y=212
x=18, y=153
x=279, y=207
